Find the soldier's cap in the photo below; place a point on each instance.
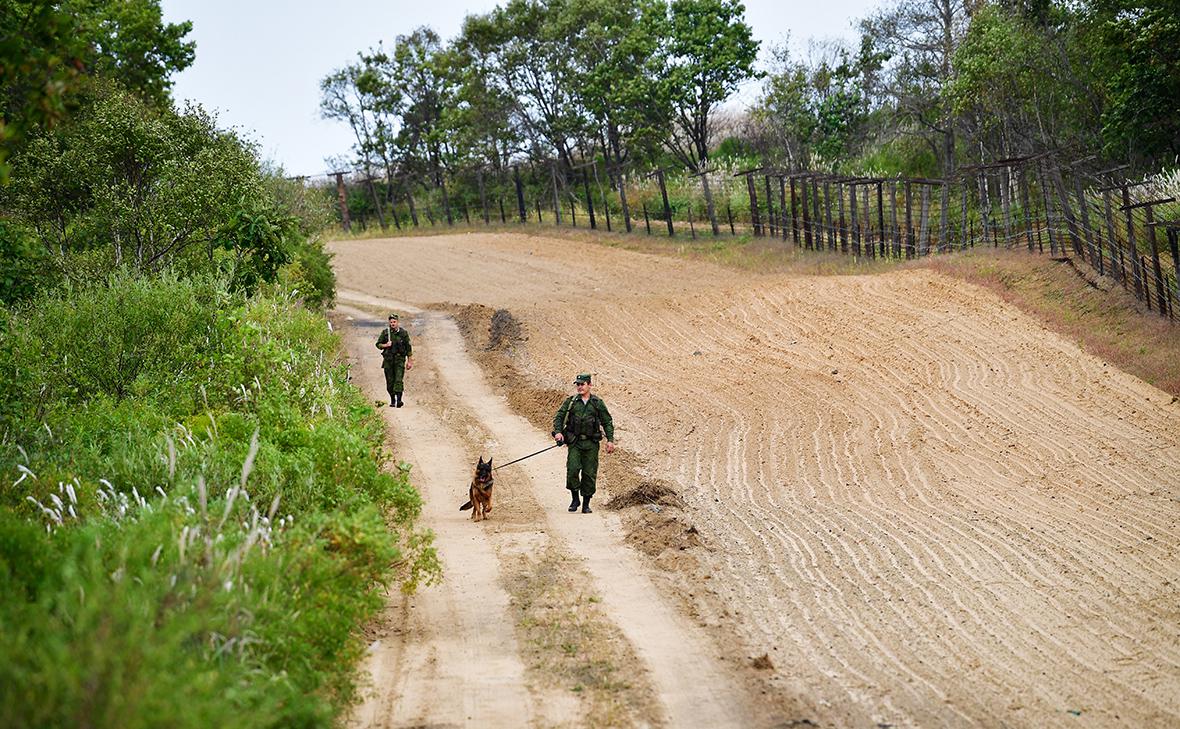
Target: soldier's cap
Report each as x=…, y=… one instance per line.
x=393, y=315
x=584, y=377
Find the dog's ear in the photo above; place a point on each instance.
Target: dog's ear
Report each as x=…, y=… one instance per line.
x=481, y=460
x=489, y=461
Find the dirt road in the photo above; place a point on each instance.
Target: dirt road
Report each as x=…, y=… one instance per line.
x=920, y=506
x=451, y=655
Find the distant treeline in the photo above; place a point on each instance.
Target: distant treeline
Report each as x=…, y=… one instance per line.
x=931, y=86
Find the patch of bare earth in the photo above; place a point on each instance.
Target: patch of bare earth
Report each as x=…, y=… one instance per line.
x=1073, y=300
x=898, y=499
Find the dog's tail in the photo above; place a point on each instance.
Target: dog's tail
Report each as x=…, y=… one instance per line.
x=465, y=507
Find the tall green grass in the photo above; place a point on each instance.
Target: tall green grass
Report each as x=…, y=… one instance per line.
x=195, y=512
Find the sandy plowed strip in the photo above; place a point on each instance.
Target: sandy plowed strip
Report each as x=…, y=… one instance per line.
x=918, y=501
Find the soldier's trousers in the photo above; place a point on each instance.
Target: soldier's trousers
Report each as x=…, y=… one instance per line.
x=581, y=468
x=395, y=373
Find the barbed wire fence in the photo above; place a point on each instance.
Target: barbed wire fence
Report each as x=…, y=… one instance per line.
x=1126, y=231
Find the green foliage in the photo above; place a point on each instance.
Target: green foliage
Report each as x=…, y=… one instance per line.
x=146, y=186
x=21, y=264
x=49, y=50
x=905, y=156
x=110, y=340
x=311, y=275
x=709, y=51
x=200, y=550
x=1139, y=61
x=259, y=243
x=810, y=115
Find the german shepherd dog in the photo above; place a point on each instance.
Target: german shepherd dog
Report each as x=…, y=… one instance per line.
x=480, y=492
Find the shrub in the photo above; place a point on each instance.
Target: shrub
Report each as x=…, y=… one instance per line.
x=194, y=540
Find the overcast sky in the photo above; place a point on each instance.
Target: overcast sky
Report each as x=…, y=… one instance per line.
x=259, y=62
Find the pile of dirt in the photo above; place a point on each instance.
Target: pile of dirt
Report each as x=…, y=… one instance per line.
x=504, y=330
x=645, y=492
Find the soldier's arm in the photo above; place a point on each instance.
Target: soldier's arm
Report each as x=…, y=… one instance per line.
x=381, y=338
x=409, y=347
x=608, y=424
x=559, y=419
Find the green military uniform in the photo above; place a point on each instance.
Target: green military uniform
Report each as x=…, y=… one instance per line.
x=583, y=423
x=393, y=360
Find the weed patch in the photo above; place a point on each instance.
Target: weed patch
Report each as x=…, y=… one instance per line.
x=196, y=513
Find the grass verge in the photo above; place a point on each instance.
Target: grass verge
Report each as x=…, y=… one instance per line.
x=196, y=514
x=570, y=645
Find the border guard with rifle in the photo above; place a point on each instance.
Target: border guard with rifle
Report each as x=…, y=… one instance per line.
x=397, y=356
x=580, y=424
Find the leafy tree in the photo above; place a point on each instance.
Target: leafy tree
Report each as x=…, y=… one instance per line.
x=49, y=50
x=527, y=50
x=1015, y=89
x=1138, y=59
x=616, y=48
x=921, y=37
x=809, y=113
x=708, y=52
x=128, y=183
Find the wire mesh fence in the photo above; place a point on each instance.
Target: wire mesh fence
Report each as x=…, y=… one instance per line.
x=1126, y=231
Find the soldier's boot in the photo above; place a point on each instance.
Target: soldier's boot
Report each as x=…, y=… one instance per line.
x=574, y=504
x=399, y=400
x=586, y=506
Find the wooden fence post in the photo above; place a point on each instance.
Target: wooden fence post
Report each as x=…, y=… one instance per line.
x=944, y=216
x=924, y=223
x=854, y=219
x=794, y=214
x=831, y=230
x=483, y=199
x=1132, y=249
x=896, y=225
x=519, y=194
x=806, y=205
x=881, y=214
x=1161, y=291
x=817, y=220
x=1116, y=267
x=769, y=208
x=1024, y=202
x=1087, y=231
x=909, y=221
x=840, y=222
x=782, y=206
x=755, y=221
x=667, y=207
x=1067, y=211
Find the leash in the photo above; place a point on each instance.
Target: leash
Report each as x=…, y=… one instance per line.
x=555, y=445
